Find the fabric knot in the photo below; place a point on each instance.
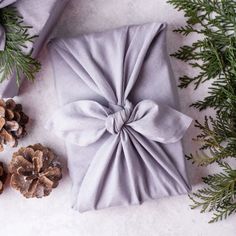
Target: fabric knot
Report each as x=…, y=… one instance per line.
x=85, y=122
x=116, y=121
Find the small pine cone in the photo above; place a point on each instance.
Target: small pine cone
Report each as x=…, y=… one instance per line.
x=12, y=123
x=35, y=172
x=3, y=176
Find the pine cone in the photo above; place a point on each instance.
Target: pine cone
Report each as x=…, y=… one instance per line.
x=3, y=176
x=34, y=171
x=12, y=123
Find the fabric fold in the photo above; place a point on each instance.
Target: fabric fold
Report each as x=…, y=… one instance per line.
x=119, y=117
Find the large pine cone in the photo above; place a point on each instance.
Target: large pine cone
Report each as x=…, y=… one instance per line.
x=3, y=176
x=35, y=172
x=12, y=123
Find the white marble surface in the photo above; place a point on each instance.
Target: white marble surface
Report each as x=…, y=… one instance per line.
x=52, y=216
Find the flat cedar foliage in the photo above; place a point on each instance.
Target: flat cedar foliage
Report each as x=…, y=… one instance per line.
x=13, y=61
x=214, y=57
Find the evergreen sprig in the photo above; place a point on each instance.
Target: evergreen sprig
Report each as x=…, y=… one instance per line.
x=219, y=196
x=13, y=60
x=214, y=57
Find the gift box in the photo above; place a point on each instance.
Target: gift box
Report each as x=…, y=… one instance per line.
x=41, y=15
x=119, y=117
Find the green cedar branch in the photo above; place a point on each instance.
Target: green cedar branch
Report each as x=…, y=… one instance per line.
x=214, y=56
x=219, y=195
x=13, y=60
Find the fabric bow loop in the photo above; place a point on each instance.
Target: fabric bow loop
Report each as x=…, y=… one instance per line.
x=4, y=3
x=85, y=122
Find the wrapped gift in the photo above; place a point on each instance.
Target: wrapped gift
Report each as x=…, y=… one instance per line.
x=42, y=16
x=119, y=117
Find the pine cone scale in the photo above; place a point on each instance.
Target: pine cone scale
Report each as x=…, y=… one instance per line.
x=20, y=163
x=9, y=114
x=10, y=104
x=38, y=161
x=27, y=153
x=32, y=189
x=2, y=103
x=3, y=177
x=2, y=122
x=46, y=182
x=53, y=173
x=25, y=173
x=12, y=125
x=2, y=111
x=7, y=138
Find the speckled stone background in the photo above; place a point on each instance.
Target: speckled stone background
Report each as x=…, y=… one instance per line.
x=53, y=216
